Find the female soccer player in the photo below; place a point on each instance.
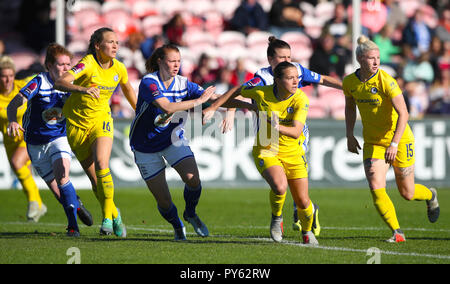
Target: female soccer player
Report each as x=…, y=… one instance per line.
x=279, y=51
x=388, y=139
x=15, y=146
x=155, y=136
x=44, y=129
x=282, y=162
x=89, y=122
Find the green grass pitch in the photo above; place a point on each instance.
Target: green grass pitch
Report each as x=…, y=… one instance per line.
x=238, y=220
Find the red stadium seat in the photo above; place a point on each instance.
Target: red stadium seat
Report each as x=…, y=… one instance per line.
x=142, y=9
x=300, y=44
x=258, y=39
x=198, y=7
x=324, y=11
x=231, y=39
x=226, y=7
x=23, y=60
x=316, y=108
x=152, y=25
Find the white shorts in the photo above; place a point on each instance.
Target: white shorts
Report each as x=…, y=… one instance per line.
x=43, y=156
x=151, y=164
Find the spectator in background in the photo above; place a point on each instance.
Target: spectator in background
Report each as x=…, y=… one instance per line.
x=436, y=52
x=151, y=44
x=387, y=47
x=325, y=60
x=418, y=74
x=131, y=54
x=240, y=75
x=417, y=34
x=116, y=107
x=203, y=74
x=285, y=16
x=443, y=28
x=174, y=30
x=440, y=93
x=396, y=18
x=339, y=24
x=249, y=17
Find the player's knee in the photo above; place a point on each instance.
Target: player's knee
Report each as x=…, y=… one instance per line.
x=280, y=187
x=193, y=181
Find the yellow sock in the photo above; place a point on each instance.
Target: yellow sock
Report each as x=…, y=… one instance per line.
x=306, y=217
x=105, y=192
x=422, y=193
x=29, y=186
x=385, y=208
x=276, y=203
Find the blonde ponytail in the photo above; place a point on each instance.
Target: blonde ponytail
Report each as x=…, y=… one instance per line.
x=364, y=45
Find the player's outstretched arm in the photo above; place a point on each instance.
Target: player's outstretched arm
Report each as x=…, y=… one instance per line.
x=14, y=127
x=209, y=112
x=64, y=83
x=331, y=82
x=170, y=108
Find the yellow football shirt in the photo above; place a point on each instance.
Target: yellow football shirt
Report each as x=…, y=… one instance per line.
x=293, y=108
x=5, y=99
x=374, y=101
x=81, y=109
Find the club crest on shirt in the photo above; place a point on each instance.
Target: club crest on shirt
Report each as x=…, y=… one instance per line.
x=290, y=110
x=374, y=90
x=30, y=89
x=78, y=68
x=154, y=90
x=253, y=83
x=116, y=78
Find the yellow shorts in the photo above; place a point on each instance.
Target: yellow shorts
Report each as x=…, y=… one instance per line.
x=81, y=139
x=294, y=164
x=405, y=153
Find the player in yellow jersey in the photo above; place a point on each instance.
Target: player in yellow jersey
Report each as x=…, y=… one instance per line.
x=15, y=146
x=277, y=153
x=89, y=121
x=388, y=139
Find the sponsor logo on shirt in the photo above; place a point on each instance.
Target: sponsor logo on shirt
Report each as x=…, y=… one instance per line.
x=52, y=115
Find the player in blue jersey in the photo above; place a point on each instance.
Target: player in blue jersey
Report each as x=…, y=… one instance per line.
x=156, y=136
x=44, y=129
x=279, y=51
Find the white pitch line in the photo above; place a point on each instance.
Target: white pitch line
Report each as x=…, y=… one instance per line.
x=394, y=253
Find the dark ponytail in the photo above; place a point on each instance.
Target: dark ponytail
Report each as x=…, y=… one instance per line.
x=275, y=43
x=151, y=65
x=279, y=70
x=97, y=38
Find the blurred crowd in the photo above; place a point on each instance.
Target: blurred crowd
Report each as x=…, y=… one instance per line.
x=413, y=36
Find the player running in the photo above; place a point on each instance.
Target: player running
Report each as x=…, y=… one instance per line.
x=280, y=51
x=156, y=136
x=90, y=128
x=283, y=109
x=44, y=129
x=388, y=139
x=15, y=146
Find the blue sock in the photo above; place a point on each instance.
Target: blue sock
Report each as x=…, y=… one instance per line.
x=171, y=215
x=69, y=202
x=191, y=197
